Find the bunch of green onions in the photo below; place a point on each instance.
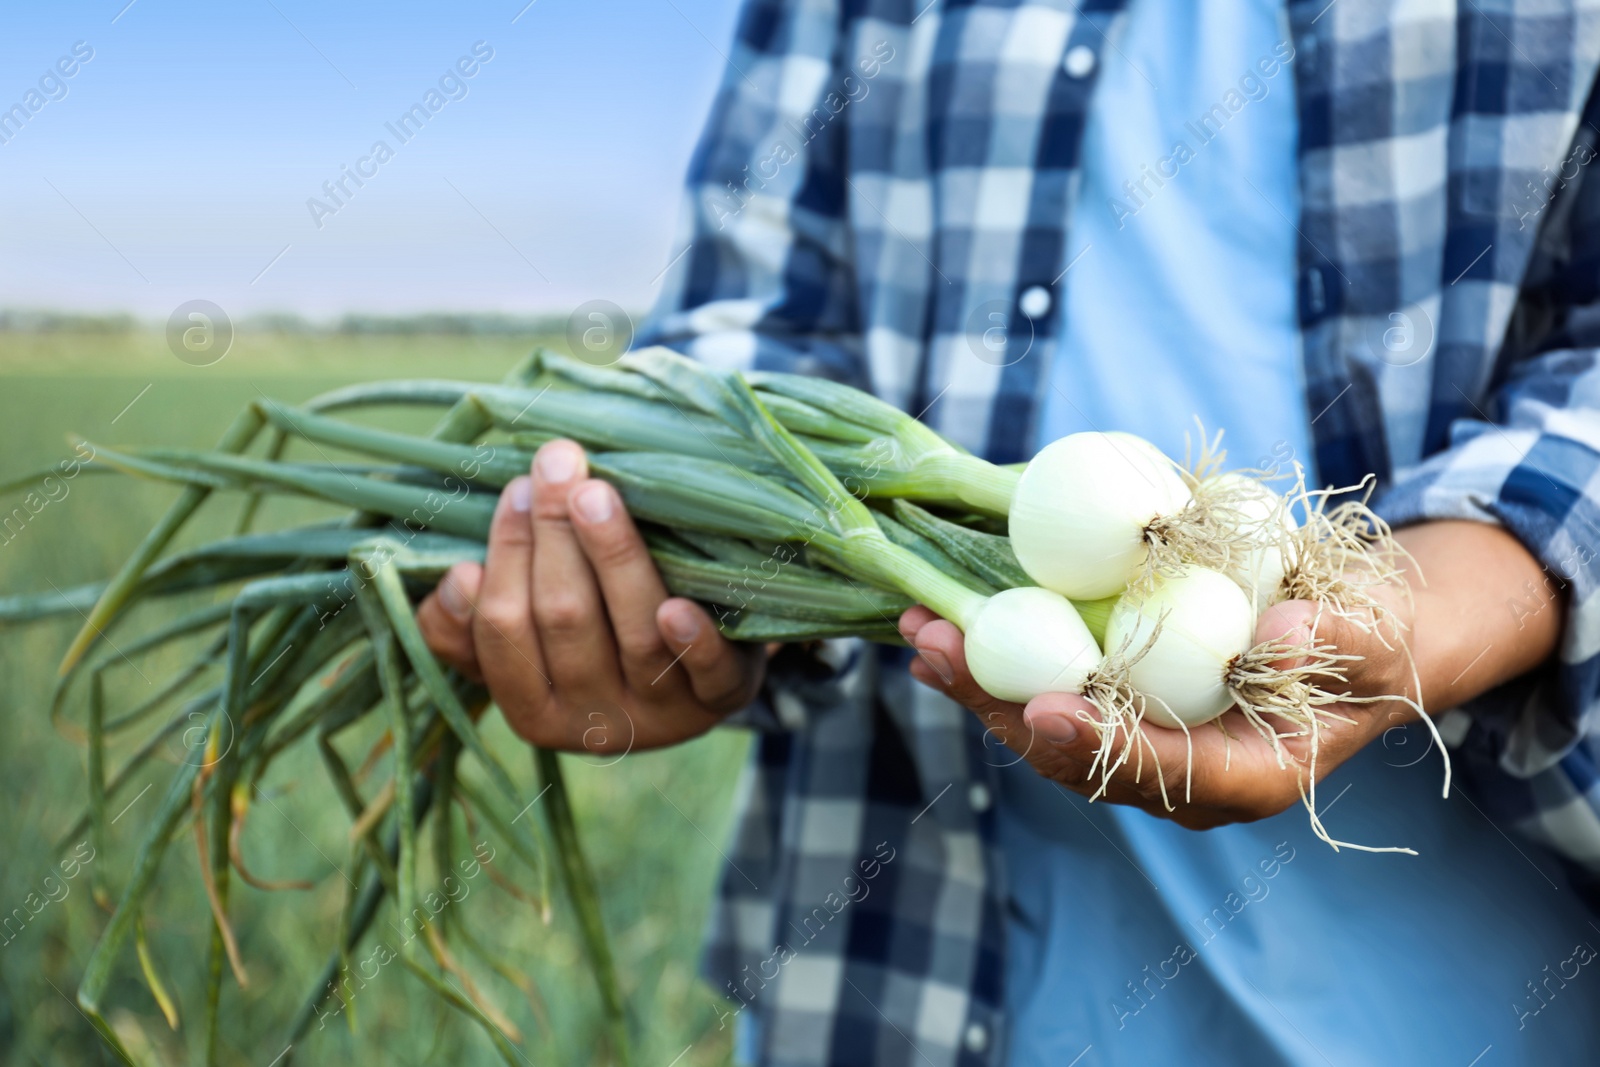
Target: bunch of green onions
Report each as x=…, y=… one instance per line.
x=794, y=508
x=310, y=630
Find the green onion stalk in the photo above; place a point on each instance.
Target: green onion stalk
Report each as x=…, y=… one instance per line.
x=874, y=448
x=798, y=528
x=1090, y=516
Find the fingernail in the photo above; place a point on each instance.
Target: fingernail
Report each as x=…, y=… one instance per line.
x=521, y=493
x=453, y=600
x=593, y=502
x=682, y=627
x=557, y=463
x=906, y=631
x=939, y=665
x=1054, y=727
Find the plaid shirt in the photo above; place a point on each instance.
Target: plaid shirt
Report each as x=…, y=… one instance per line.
x=884, y=183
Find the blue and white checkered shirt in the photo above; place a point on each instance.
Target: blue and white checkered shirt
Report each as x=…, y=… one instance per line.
x=881, y=197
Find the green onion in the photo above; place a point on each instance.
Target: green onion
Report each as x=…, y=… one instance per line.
x=795, y=509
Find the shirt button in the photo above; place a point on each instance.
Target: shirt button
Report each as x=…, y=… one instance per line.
x=1035, y=302
x=1079, y=61
x=1316, y=294
x=978, y=797
x=976, y=1038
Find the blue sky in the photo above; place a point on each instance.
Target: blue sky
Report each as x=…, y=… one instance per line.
x=179, y=161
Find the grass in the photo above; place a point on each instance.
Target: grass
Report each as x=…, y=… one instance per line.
x=655, y=859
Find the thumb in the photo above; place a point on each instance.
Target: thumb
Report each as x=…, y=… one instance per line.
x=1306, y=631
x=1140, y=764
x=1294, y=624
x=1362, y=654
x=1066, y=721
x=445, y=618
x=722, y=675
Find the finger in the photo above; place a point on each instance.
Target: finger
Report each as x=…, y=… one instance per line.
x=1064, y=720
x=629, y=583
x=942, y=663
x=1055, y=718
x=574, y=633
x=1382, y=665
x=445, y=619
x=1382, y=678
x=1058, y=737
x=502, y=623
x=1162, y=768
x=1067, y=724
x=1090, y=762
x=1294, y=624
x=912, y=622
x=722, y=674
x=1302, y=624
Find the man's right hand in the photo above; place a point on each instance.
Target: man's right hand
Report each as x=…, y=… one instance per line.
x=570, y=626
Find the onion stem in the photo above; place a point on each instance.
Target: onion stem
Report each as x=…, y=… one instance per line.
x=873, y=553
x=975, y=482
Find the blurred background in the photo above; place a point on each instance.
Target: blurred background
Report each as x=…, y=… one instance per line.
x=179, y=162
x=158, y=153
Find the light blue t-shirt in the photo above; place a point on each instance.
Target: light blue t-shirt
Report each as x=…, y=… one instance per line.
x=1181, y=301
x=1130, y=939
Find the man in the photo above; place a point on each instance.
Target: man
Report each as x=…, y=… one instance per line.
x=1361, y=239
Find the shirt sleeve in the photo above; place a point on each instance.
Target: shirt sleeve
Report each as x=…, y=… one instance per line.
x=1531, y=463
x=762, y=277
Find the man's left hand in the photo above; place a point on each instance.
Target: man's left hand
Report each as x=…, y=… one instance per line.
x=1471, y=626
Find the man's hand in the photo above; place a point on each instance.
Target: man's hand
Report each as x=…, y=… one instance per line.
x=1460, y=630
x=571, y=627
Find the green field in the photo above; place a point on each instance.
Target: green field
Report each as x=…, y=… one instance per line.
x=656, y=859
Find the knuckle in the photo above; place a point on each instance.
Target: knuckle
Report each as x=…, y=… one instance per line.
x=506, y=614
x=643, y=648
x=549, y=504
x=510, y=527
x=561, y=611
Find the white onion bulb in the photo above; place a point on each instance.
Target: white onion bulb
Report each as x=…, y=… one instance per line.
x=1081, y=508
x=1134, y=441
x=1028, y=641
x=1206, y=623
x=1266, y=520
